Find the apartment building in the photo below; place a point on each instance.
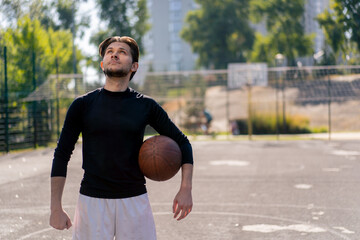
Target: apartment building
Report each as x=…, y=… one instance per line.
x=166, y=51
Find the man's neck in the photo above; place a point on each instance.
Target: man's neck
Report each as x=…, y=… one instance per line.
x=116, y=84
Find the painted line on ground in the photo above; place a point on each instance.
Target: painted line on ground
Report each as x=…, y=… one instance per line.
x=258, y=216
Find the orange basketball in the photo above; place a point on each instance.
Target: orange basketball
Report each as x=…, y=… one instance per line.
x=159, y=158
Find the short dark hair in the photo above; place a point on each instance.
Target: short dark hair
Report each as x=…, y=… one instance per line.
x=134, y=48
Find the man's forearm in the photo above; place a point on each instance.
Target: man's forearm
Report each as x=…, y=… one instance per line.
x=57, y=188
x=186, y=176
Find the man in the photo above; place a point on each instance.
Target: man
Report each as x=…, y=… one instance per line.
x=113, y=201
x=208, y=119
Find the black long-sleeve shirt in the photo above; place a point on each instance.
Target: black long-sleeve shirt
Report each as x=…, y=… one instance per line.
x=112, y=126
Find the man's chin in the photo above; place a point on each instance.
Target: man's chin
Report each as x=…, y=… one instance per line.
x=118, y=73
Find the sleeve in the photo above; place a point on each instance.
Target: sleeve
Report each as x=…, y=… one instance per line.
x=161, y=122
x=68, y=137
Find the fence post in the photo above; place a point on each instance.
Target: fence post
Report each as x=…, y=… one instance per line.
x=277, y=106
x=329, y=103
x=283, y=101
x=6, y=102
x=250, y=129
x=73, y=47
x=34, y=102
x=57, y=99
x=227, y=108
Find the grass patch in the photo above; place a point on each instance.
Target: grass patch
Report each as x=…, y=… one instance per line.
x=270, y=124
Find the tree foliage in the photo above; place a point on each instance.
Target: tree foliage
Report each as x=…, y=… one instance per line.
x=334, y=34
x=41, y=28
x=30, y=44
x=122, y=18
x=341, y=24
x=219, y=32
x=67, y=15
x=348, y=13
x=12, y=9
x=285, y=31
x=56, y=14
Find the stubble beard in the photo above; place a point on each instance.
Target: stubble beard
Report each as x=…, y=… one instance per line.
x=122, y=72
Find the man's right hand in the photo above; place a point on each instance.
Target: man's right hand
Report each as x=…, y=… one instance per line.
x=58, y=217
x=60, y=220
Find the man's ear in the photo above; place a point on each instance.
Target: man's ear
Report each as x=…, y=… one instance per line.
x=102, y=65
x=134, y=66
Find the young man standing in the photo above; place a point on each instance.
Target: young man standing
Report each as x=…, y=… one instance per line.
x=113, y=201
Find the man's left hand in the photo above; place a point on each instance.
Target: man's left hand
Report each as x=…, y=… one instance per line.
x=182, y=203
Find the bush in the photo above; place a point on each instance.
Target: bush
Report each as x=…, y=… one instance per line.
x=267, y=124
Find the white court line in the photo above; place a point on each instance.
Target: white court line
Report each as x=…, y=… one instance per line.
x=258, y=216
x=231, y=163
x=268, y=228
x=219, y=214
x=35, y=233
x=309, y=206
x=303, y=186
x=345, y=153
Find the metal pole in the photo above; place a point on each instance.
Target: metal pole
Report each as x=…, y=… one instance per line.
x=6, y=102
x=279, y=60
x=74, y=48
x=228, y=112
x=34, y=102
x=283, y=102
x=329, y=104
x=277, y=107
x=178, y=92
x=249, y=112
x=57, y=99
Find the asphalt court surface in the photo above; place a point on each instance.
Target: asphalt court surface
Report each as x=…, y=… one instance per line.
x=306, y=189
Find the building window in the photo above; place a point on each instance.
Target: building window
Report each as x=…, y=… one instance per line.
x=175, y=6
x=175, y=47
x=174, y=37
x=176, y=57
x=175, y=16
x=175, y=26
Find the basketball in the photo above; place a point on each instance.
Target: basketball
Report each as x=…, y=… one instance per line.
x=159, y=158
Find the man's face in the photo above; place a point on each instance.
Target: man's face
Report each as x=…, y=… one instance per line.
x=117, y=61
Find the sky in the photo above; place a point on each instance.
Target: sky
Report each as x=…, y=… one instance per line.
x=85, y=8
x=88, y=8
x=83, y=44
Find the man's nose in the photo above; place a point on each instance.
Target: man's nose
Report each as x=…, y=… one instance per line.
x=115, y=55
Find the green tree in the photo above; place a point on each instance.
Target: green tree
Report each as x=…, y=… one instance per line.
x=341, y=24
x=122, y=17
x=285, y=31
x=55, y=14
x=347, y=12
x=43, y=10
x=67, y=10
x=334, y=34
x=141, y=26
x=219, y=32
x=13, y=10
x=30, y=44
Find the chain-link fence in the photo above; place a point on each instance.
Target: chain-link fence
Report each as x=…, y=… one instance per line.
x=283, y=100
x=245, y=100
x=36, y=120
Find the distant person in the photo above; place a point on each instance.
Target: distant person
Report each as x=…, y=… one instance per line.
x=208, y=118
x=113, y=200
x=234, y=128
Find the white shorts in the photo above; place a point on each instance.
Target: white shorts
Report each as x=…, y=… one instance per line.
x=106, y=219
